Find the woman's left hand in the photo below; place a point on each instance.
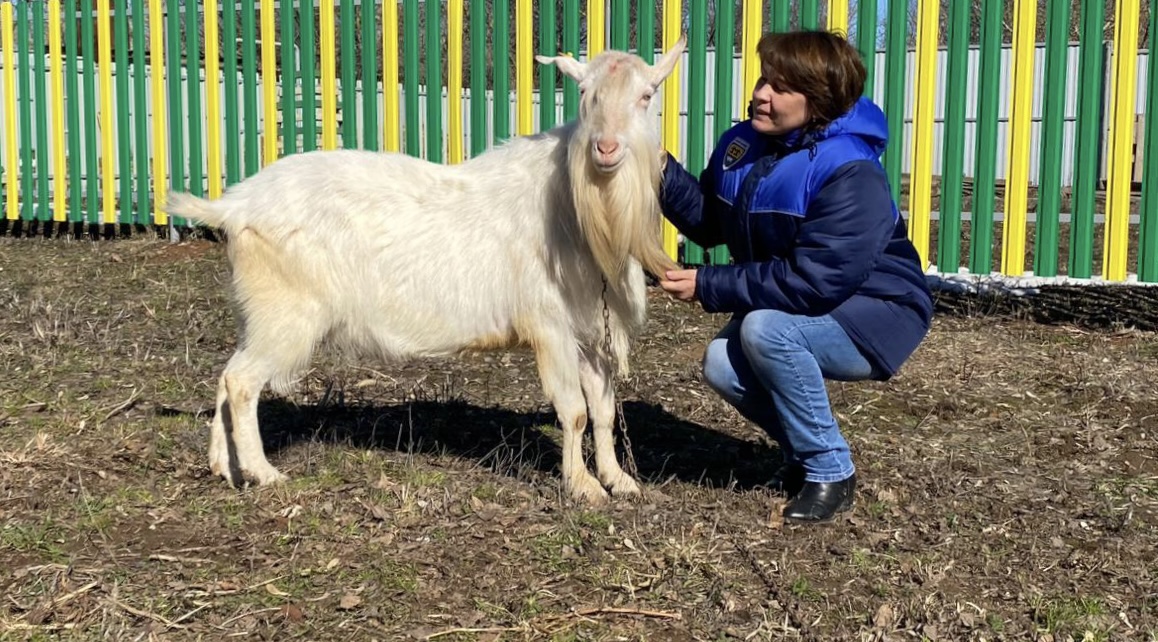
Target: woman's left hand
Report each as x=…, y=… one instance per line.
x=680, y=284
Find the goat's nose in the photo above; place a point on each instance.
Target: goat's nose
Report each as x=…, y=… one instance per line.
x=607, y=146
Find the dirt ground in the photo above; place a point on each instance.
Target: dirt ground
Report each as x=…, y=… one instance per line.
x=1009, y=485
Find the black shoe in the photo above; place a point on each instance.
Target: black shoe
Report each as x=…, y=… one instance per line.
x=819, y=502
x=788, y=479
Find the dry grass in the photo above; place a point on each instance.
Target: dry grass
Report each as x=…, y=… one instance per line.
x=1010, y=485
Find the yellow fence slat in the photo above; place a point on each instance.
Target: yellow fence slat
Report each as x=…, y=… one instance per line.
x=11, y=148
x=1123, y=90
x=269, y=123
x=921, y=173
x=838, y=16
x=59, y=169
x=157, y=95
x=454, y=36
x=524, y=85
x=329, y=86
x=391, y=115
x=672, y=30
x=753, y=27
x=1021, y=115
x=106, y=118
x=596, y=29
x=212, y=97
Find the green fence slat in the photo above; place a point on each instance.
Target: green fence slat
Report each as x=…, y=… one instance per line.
x=309, y=58
x=571, y=46
x=43, y=166
x=24, y=109
x=289, y=82
x=895, y=83
x=72, y=90
x=433, y=50
x=697, y=105
x=252, y=150
x=1087, y=146
x=985, y=172
x=547, y=76
x=725, y=50
x=866, y=41
x=176, y=110
x=502, y=71
x=722, y=106
x=1148, y=232
x=346, y=49
x=478, y=77
x=646, y=13
x=140, y=116
x=231, y=114
x=620, y=24
x=370, y=102
x=124, y=122
x=953, y=150
x=91, y=168
x=809, y=14
x=697, y=86
x=1045, y=253
x=193, y=78
x=410, y=72
x=781, y=15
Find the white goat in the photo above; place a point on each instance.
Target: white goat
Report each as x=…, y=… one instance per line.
x=398, y=257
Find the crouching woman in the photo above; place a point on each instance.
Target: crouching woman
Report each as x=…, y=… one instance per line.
x=825, y=283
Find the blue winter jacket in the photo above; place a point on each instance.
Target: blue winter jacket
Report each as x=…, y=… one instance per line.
x=813, y=230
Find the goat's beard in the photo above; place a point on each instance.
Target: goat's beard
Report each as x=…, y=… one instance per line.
x=619, y=213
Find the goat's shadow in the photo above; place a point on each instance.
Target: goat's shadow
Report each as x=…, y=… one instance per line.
x=663, y=446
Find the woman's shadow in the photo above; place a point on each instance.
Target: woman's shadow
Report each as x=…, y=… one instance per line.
x=663, y=446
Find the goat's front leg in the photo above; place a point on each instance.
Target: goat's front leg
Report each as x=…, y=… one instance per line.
x=558, y=361
x=598, y=386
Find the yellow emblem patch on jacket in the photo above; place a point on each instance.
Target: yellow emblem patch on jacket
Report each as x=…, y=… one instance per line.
x=736, y=150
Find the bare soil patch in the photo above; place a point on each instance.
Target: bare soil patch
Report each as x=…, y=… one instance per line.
x=1010, y=484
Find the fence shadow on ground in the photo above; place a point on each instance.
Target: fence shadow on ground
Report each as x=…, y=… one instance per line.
x=505, y=441
x=1094, y=307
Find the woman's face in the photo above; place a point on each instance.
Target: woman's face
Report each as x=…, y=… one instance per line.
x=777, y=112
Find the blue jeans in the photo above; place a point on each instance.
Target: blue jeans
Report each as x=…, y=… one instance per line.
x=771, y=366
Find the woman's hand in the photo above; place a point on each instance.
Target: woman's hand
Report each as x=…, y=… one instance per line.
x=680, y=284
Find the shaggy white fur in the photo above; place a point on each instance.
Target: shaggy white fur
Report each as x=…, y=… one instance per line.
x=396, y=257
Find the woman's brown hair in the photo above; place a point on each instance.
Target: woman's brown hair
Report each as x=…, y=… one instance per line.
x=822, y=65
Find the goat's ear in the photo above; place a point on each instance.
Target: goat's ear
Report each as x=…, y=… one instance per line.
x=667, y=62
x=568, y=65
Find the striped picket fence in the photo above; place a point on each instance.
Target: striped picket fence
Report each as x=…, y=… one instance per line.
x=106, y=105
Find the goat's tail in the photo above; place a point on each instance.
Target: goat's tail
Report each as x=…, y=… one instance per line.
x=194, y=207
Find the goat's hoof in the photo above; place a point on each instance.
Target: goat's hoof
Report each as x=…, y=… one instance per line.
x=219, y=462
x=625, y=486
x=222, y=470
x=263, y=476
x=588, y=490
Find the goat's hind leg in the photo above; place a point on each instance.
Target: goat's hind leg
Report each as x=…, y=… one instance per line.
x=275, y=349
x=598, y=386
x=236, y=423
x=219, y=460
